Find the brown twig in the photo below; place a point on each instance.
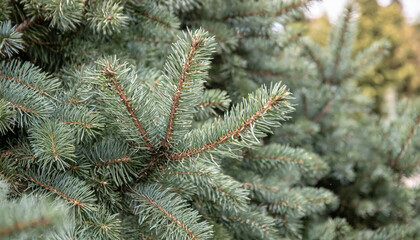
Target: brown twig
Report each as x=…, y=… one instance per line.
x=27, y=23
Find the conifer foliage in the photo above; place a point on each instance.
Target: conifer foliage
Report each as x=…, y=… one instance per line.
x=161, y=120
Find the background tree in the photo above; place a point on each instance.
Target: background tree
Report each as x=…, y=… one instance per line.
x=397, y=74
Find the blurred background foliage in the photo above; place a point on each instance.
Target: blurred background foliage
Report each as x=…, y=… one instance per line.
x=398, y=75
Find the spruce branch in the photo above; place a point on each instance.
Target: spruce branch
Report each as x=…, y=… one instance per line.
x=282, y=10
x=2, y=76
x=158, y=15
x=53, y=144
x=112, y=160
x=311, y=49
x=27, y=23
x=276, y=157
x=238, y=122
x=294, y=5
x=86, y=123
x=27, y=89
x=368, y=58
x=103, y=225
x=49, y=188
x=205, y=182
x=255, y=222
x=108, y=72
x=324, y=110
x=186, y=81
x=212, y=100
x=73, y=190
x=195, y=44
x=64, y=15
x=29, y=76
x=24, y=109
x=107, y=17
x=343, y=32
x=11, y=41
x=162, y=209
x=393, y=163
x=156, y=19
x=7, y=117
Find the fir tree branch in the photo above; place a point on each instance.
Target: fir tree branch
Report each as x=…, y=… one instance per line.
x=318, y=63
x=2, y=76
x=168, y=210
x=203, y=174
x=169, y=215
x=321, y=114
x=341, y=41
x=156, y=19
x=292, y=7
x=23, y=109
x=109, y=74
x=27, y=23
x=395, y=161
x=196, y=43
x=113, y=161
x=234, y=133
x=51, y=189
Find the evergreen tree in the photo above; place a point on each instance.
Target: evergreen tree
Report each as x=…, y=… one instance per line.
x=368, y=155
x=397, y=74
x=134, y=122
